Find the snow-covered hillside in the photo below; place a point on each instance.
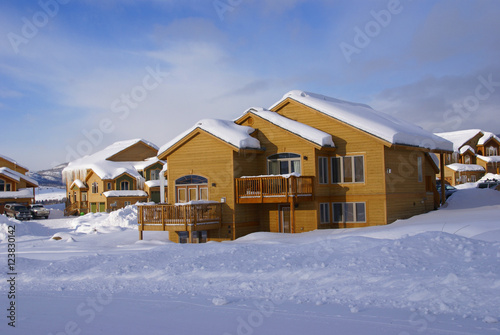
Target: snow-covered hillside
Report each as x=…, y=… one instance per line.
x=50, y=177
x=435, y=273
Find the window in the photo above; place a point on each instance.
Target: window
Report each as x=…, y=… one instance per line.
x=74, y=196
x=419, y=167
x=283, y=163
x=348, y=169
x=155, y=174
x=2, y=185
x=95, y=188
x=84, y=196
x=109, y=186
x=323, y=170
x=492, y=151
x=124, y=185
x=191, y=188
x=467, y=159
x=349, y=212
x=324, y=210
x=127, y=203
x=191, y=179
x=8, y=187
x=473, y=178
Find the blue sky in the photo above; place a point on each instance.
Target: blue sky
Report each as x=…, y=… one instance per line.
x=76, y=76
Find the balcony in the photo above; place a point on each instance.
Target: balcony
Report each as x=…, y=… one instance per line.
x=274, y=189
x=193, y=217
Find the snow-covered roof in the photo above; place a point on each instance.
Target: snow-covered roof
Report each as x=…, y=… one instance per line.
x=459, y=137
x=154, y=183
x=21, y=194
x=489, y=159
x=312, y=134
x=365, y=118
x=130, y=193
x=140, y=166
x=14, y=175
x=104, y=168
x=465, y=148
x=465, y=167
x=79, y=184
x=487, y=136
x=227, y=131
x=13, y=161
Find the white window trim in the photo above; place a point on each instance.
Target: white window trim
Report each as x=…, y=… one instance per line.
x=325, y=170
x=289, y=160
x=342, y=177
x=321, y=208
x=343, y=212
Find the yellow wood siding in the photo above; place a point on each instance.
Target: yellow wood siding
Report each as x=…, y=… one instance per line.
x=136, y=152
x=208, y=157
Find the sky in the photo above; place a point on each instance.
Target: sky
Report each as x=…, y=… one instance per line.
x=76, y=76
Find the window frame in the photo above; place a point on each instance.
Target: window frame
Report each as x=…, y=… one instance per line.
x=344, y=208
x=123, y=183
x=324, y=213
x=95, y=188
x=323, y=171
x=338, y=177
x=281, y=158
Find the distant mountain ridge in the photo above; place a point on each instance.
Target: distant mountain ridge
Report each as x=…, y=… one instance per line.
x=50, y=177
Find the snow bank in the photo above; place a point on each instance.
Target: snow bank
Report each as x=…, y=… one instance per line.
x=21, y=228
x=125, y=218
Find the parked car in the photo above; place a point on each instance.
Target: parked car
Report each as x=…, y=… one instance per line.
x=448, y=189
x=17, y=211
x=38, y=211
x=489, y=183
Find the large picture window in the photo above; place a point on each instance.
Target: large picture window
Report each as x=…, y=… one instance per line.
x=323, y=170
x=155, y=174
x=348, y=169
x=283, y=163
x=124, y=186
x=349, y=212
x=95, y=188
x=191, y=188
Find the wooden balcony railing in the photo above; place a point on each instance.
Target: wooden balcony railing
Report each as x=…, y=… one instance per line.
x=275, y=189
x=76, y=207
x=179, y=217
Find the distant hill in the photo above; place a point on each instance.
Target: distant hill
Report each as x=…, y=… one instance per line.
x=50, y=177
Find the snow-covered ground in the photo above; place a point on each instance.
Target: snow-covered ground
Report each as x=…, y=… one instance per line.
x=435, y=273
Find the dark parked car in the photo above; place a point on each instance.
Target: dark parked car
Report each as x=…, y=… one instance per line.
x=448, y=189
x=488, y=183
x=38, y=211
x=17, y=211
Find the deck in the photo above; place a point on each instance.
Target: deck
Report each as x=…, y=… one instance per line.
x=275, y=189
x=179, y=217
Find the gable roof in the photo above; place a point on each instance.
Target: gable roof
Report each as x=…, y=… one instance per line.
x=227, y=131
x=487, y=136
x=364, y=118
x=104, y=168
x=13, y=162
x=460, y=137
x=302, y=130
x=16, y=176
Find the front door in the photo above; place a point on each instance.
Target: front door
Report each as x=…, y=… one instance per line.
x=285, y=219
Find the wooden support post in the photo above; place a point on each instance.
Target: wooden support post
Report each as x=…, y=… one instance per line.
x=140, y=234
x=443, y=185
x=292, y=216
x=261, y=183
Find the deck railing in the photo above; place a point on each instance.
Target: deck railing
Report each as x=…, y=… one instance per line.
x=79, y=206
x=273, y=189
x=179, y=217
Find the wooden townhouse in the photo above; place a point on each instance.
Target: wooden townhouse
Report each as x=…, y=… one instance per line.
x=15, y=185
x=475, y=152
x=122, y=174
x=309, y=162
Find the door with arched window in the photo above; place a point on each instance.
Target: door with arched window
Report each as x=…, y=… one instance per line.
x=283, y=163
x=191, y=188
